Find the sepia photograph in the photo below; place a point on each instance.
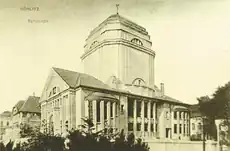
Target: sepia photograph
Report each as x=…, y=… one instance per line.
x=122, y=75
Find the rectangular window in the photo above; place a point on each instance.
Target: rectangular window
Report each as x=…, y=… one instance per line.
x=138, y=108
x=151, y=110
x=111, y=109
x=199, y=126
x=98, y=112
x=138, y=126
x=145, y=109
x=180, y=115
x=54, y=90
x=105, y=110
x=180, y=128
x=130, y=107
x=175, y=115
x=175, y=128
x=90, y=110
x=130, y=126
x=146, y=127
x=151, y=127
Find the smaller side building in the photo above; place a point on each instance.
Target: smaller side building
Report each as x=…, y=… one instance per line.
x=24, y=112
x=5, y=119
x=196, y=123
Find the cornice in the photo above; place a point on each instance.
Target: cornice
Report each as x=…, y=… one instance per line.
x=128, y=24
x=118, y=42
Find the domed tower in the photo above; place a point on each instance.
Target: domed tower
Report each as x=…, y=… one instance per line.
x=120, y=48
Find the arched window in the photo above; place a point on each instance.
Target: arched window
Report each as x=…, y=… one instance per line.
x=93, y=44
x=51, y=125
x=137, y=41
x=138, y=81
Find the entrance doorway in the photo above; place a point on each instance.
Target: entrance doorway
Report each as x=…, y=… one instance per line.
x=168, y=132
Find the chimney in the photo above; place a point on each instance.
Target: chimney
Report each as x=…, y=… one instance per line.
x=33, y=93
x=162, y=89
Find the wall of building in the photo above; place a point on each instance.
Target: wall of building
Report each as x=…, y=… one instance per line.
x=5, y=122
x=161, y=145
x=113, y=41
x=196, y=126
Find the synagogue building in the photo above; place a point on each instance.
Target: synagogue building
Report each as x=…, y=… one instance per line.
x=117, y=88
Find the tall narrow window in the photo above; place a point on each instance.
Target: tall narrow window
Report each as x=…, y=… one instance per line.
x=146, y=127
x=138, y=126
x=151, y=110
x=54, y=90
x=105, y=110
x=180, y=115
x=90, y=110
x=145, y=109
x=98, y=112
x=130, y=107
x=180, y=129
x=175, y=115
x=130, y=126
x=175, y=128
x=111, y=109
x=138, y=109
x=151, y=127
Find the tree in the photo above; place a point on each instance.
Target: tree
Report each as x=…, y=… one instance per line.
x=217, y=107
x=207, y=113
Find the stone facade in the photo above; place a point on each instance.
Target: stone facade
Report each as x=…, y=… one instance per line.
x=117, y=88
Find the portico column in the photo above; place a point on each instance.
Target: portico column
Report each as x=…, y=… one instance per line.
x=95, y=113
x=178, y=124
x=182, y=122
x=61, y=114
x=102, y=114
x=142, y=117
x=135, y=117
x=149, y=118
x=186, y=124
x=154, y=117
x=172, y=124
x=108, y=113
x=114, y=114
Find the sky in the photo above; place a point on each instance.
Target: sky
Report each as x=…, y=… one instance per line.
x=191, y=39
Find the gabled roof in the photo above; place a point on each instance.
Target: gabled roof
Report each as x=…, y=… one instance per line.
x=76, y=79
x=6, y=114
x=19, y=104
x=31, y=105
x=170, y=99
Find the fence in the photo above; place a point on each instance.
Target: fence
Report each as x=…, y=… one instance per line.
x=172, y=145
